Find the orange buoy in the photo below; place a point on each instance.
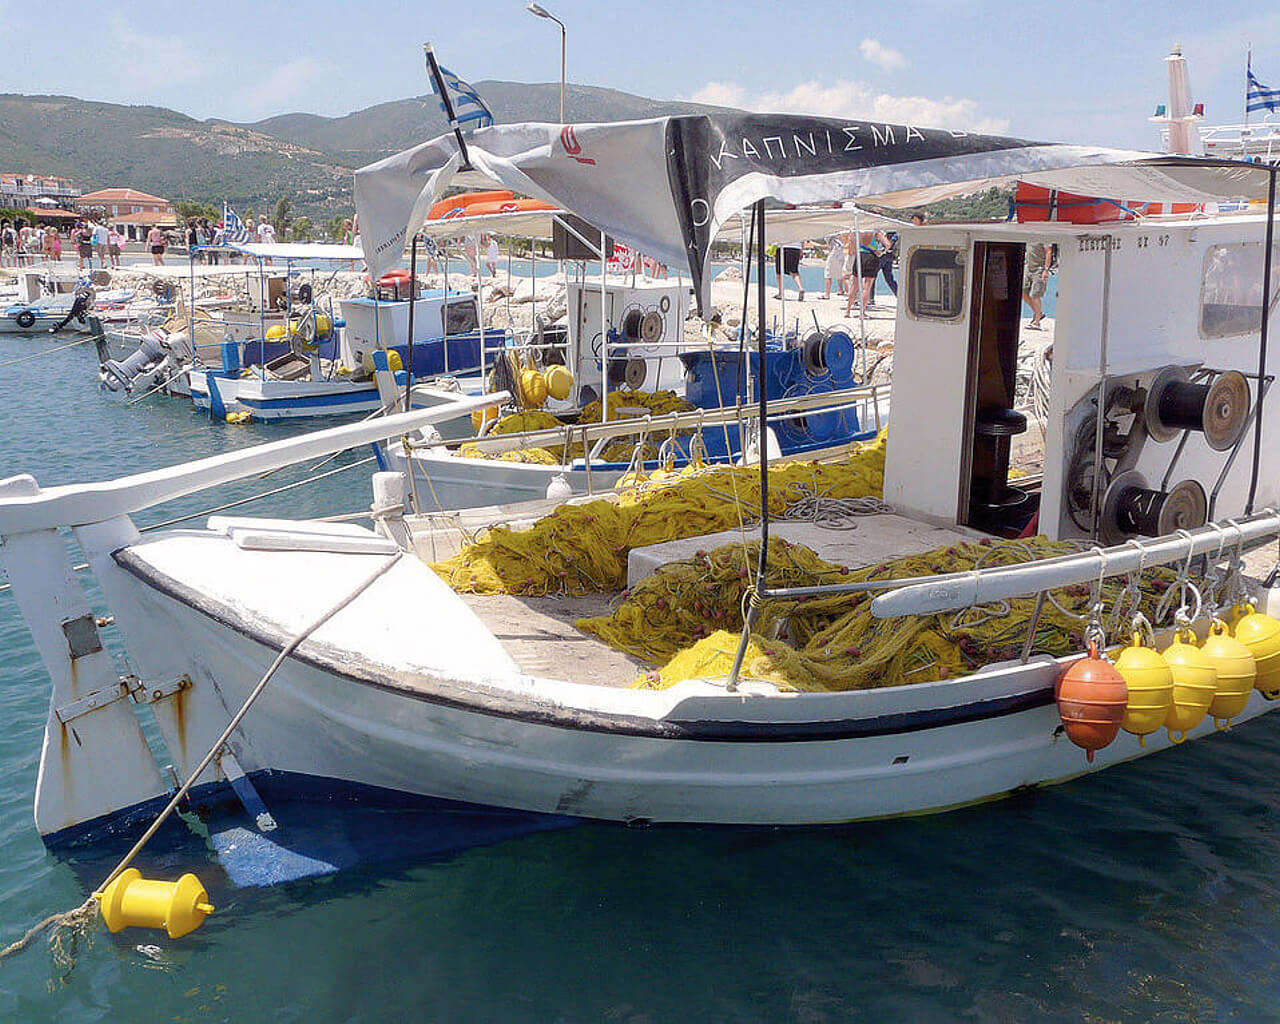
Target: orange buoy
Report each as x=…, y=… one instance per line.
x=1195, y=683
x=1150, y=689
x=1236, y=670
x=1261, y=634
x=1092, y=697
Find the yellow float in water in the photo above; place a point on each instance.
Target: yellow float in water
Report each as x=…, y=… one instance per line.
x=1150, y=685
x=1236, y=672
x=132, y=901
x=1261, y=634
x=1195, y=683
x=238, y=417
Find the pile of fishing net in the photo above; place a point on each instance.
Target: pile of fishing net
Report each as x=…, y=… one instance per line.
x=687, y=617
x=620, y=450
x=582, y=549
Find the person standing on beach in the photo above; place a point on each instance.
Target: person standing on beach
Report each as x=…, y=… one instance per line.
x=115, y=241
x=491, y=256
x=52, y=244
x=8, y=244
x=155, y=242
x=787, y=264
x=834, y=268
x=1035, y=280
x=82, y=236
x=99, y=235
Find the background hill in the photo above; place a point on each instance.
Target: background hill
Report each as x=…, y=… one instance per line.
x=305, y=157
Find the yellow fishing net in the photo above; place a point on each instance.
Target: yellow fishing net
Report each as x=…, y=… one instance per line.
x=582, y=549
x=620, y=450
x=687, y=617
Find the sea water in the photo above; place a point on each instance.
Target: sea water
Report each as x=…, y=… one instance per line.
x=1147, y=892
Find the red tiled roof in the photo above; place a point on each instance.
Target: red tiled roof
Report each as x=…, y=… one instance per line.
x=56, y=214
x=144, y=217
x=119, y=195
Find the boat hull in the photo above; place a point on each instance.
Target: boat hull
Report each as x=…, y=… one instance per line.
x=691, y=754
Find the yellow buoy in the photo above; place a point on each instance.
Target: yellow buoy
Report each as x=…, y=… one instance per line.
x=1261, y=634
x=479, y=417
x=533, y=388
x=1195, y=683
x=132, y=901
x=559, y=382
x=276, y=333
x=238, y=417
x=1150, y=685
x=1236, y=671
x=394, y=363
x=324, y=326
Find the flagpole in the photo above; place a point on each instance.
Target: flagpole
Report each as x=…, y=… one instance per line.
x=434, y=70
x=1248, y=71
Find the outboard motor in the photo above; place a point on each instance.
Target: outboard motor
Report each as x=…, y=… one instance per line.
x=80, y=308
x=121, y=374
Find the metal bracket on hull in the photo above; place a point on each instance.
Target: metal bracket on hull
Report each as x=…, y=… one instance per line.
x=244, y=789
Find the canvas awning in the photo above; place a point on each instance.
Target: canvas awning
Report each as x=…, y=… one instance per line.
x=666, y=186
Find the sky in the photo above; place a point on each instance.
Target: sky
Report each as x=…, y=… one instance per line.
x=1082, y=72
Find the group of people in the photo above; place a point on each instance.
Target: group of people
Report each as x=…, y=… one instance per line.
x=90, y=239
x=200, y=233
x=859, y=256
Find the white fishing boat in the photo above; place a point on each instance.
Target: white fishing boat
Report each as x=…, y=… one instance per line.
x=276, y=654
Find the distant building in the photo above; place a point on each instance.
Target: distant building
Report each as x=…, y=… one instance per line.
x=22, y=191
x=132, y=210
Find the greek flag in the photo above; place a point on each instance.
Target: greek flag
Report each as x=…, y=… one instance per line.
x=468, y=108
x=233, y=229
x=1259, y=97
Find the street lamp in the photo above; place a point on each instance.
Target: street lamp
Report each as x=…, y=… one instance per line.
x=542, y=12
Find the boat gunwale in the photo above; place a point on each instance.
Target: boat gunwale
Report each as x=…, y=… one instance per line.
x=456, y=695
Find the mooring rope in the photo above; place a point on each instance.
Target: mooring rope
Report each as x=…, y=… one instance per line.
x=78, y=919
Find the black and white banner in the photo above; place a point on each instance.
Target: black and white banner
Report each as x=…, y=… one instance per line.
x=665, y=186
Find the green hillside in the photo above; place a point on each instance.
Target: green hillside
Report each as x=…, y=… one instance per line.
x=304, y=156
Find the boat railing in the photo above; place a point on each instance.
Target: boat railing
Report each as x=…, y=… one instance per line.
x=868, y=396
x=928, y=595
x=81, y=504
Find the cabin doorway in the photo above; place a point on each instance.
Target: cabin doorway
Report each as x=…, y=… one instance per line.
x=987, y=500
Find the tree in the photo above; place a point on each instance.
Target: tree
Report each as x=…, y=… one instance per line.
x=301, y=230
x=336, y=228
x=280, y=219
x=186, y=209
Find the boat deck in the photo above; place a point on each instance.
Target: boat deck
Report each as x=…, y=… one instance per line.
x=540, y=635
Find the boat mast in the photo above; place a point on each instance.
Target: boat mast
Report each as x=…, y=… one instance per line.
x=1272, y=171
x=760, y=592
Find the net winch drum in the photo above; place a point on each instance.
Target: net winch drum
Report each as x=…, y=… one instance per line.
x=1131, y=507
x=1219, y=410
x=828, y=352
x=631, y=372
x=644, y=327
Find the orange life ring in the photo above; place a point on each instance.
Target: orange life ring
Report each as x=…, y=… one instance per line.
x=392, y=276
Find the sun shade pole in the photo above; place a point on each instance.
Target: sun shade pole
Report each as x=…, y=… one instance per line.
x=760, y=591
x=1262, y=336
x=413, y=302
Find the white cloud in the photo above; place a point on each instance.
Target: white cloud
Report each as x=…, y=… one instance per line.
x=856, y=101
x=880, y=55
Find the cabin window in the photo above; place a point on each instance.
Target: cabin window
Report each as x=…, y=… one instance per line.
x=1231, y=289
x=935, y=284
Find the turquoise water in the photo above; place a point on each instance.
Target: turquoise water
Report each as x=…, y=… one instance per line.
x=1149, y=892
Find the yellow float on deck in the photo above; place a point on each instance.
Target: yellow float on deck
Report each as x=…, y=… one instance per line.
x=132, y=901
x=1150, y=685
